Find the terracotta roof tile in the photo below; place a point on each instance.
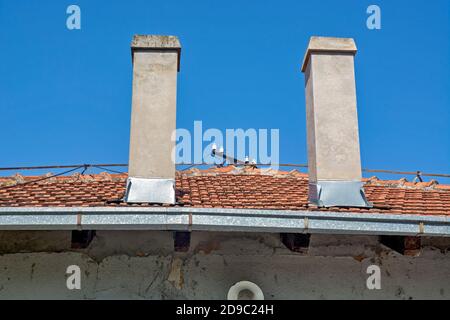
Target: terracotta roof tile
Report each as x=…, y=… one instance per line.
x=226, y=187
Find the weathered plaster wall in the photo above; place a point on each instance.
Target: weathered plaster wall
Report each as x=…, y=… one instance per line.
x=142, y=265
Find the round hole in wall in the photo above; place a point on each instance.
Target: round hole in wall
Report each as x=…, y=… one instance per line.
x=245, y=290
x=246, y=295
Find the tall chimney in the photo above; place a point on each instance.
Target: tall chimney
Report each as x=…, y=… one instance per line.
x=151, y=171
x=332, y=123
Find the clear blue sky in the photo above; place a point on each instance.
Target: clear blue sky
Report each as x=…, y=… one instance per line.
x=65, y=96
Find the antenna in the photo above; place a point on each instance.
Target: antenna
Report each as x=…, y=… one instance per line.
x=230, y=160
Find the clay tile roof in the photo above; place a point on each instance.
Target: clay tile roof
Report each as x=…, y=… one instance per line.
x=226, y=187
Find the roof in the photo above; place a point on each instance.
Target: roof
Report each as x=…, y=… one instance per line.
x=226, y=187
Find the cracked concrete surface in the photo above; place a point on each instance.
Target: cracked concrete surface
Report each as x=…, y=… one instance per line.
x=143, y=265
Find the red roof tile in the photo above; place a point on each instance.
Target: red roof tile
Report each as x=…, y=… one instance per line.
x=227, y=187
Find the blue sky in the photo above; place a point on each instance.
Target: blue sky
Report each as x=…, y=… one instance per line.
x=65, y=95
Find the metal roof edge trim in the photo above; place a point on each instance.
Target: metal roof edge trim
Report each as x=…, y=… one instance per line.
x=220, y=219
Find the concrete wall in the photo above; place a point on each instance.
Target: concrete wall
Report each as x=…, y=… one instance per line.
x=142, y=265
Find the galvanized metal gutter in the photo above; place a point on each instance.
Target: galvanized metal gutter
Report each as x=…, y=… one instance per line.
x=218, y=219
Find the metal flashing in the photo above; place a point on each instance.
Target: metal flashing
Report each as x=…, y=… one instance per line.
x=338, y=194
x=154, y=190
x=222, y=220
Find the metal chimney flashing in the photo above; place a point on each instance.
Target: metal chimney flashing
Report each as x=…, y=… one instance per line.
x=150, y=190
x=338, y=194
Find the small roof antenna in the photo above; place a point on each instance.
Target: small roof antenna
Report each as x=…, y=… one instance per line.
x=418, y=177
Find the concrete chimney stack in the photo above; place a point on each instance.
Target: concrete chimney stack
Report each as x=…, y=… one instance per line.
x=156, y=61
x=332, y=123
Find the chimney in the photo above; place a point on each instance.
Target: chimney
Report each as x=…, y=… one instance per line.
x=332, y=124
x=151, y=171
